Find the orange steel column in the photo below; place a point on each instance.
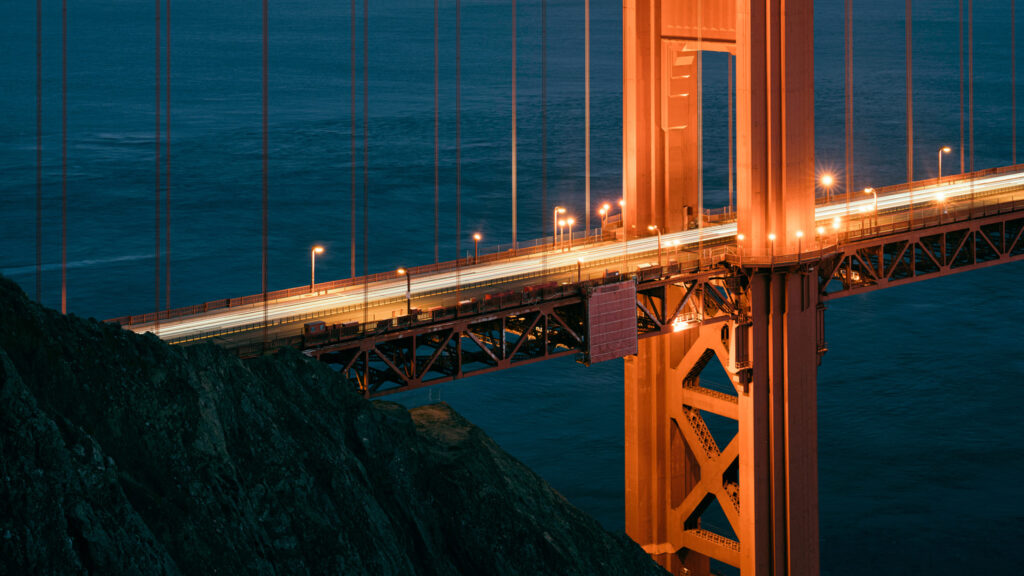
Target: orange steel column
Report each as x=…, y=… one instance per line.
x=774, y=123
x=660, y=468
x=773, y=510
x=775, y=170
x=661, y=42
x=778, y=432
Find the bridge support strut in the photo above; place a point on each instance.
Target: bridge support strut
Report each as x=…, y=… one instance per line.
x=727, y=470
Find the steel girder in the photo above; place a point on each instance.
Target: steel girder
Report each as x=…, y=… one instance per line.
x=425, y=355
x=929, y=252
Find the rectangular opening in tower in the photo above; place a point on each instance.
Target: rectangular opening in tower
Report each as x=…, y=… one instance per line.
x=611, y=322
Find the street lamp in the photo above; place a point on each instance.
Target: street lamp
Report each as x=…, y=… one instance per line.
x=476, y=247
x=821, y=234
x=799, y=245
x=874, y=204
x=408, y=289
x=554, y=221
x=739, y=247
x=771, y=237
x=654, y=228
x=826, y=182
x=943, y=150
x=561, y=233
x=603, y=211
x=570, y=221
x=312, y=266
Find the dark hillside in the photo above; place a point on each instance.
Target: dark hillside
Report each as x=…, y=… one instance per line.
x=122, y=455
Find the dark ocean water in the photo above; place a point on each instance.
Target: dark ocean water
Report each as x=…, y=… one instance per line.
x=920, y=395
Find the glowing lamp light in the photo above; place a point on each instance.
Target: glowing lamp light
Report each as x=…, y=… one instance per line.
x=678, y=325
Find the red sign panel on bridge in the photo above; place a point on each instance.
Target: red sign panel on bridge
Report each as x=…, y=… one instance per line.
x=611, y=321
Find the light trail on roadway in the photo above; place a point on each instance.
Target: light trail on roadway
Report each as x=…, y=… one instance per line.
x=225, y=320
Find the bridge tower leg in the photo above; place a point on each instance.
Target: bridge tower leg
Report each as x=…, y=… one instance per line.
x=764, y=479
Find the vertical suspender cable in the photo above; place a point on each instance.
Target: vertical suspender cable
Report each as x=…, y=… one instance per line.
x=910, y=114
x=1013, y=76
x=39, y=150
x=732, y=134
x=960, y=29
x=167, y=162
x=849, y=103
x=437, y=122
x=352, y=132
x=366, y=157
x=586, y=105
x=458, y=141
x=64, y=159
x=544, y=111
x=970, y=87
x=515, y=104
x=265, y=169
x=156, y=283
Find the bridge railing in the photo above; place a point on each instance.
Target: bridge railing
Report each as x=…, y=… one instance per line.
x=550, y=291
x=895, y=222
x=562, y=282
x=534, y=247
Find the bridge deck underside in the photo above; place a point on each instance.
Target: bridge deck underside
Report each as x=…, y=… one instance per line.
x=935, y=247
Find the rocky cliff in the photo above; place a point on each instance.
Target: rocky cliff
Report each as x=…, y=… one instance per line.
x=122, y=455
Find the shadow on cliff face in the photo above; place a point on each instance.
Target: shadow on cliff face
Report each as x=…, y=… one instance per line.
x=121, y=454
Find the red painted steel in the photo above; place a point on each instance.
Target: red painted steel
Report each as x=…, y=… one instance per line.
x=611, y=322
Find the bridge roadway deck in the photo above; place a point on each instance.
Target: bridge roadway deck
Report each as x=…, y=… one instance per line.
x=385, y=298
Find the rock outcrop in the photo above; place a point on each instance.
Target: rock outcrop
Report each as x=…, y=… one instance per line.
x=122, y=455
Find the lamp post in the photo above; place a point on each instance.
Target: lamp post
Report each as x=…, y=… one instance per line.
x=561, y=233
x=943, y=150
x=799, y=246
x=826, y=182
x=771, y=237
x=570, y=221
x=821, y=234
x=312, y=266
x=579, y=272
x=554, y=224
x=408, y=289
x=603, y=212
x=874, y=203
x=836, y=222
x=739, y=248
x=654, y=228
x=476, y=247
